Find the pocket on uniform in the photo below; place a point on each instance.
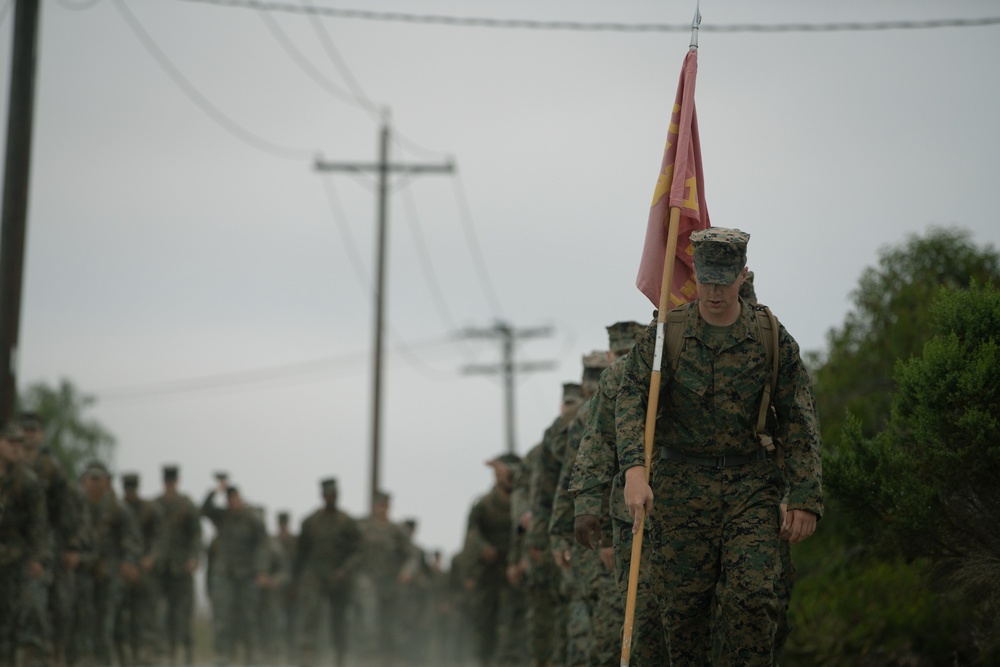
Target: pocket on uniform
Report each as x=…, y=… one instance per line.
x=691, y=380
x=749, y=382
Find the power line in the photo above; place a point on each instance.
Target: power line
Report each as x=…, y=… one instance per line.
x=200, y=100
x=529, y=24
x=258, y=376
x=465, y=214
x=311, y=70
x=364, y=280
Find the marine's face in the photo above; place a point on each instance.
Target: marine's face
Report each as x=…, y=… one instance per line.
x=93, y=486
x=10, y=450
x=720, y=304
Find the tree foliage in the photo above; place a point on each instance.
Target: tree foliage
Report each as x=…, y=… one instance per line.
x=926, y=485
x=891, y=321
x=72, y=437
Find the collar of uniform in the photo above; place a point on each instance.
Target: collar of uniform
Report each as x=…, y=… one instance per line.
x=743, y=328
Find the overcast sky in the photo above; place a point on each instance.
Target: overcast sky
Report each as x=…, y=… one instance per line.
x=188, y=265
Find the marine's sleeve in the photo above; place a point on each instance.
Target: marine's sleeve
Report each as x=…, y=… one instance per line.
x=37, y=547
x=633, y=396
x=209, y=509
x=130, y=534
x=543, y=482
x=798, y=428
x=595, y=462
x=561, y=522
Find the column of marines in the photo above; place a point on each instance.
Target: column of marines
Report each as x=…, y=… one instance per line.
x=90, y=576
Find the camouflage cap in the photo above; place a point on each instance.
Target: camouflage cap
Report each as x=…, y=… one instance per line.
x=130, y=480
x=572, y=391
x=621, y=336
x=719, y=254
x=329, y=485
x=31, y=421
x=506, y=459
x=596, y=360
x=747, y=292
x=283, y=518
x=11, y=431
x=381, y=498
x=95, y=469
x=170, y=473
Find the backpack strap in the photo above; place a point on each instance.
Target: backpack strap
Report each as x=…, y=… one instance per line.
x=767, y=327
x=675, y=335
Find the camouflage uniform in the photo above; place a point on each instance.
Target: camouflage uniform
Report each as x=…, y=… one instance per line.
x=178, y=560
x=716, y=494
x=240, y=561
x=541, y=579
x=266, y=615
x=596, y=485
x=544, y=479
x=329, y=549
x=54, y=595
x=385, y=554
x=494, y=600
x=24, y=546
x=286, y=584
x=138, y=631
x=112, y=555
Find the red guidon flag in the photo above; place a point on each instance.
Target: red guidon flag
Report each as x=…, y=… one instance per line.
x=681, y=185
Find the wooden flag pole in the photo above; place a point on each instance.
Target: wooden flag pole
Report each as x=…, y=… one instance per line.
x=651, y=408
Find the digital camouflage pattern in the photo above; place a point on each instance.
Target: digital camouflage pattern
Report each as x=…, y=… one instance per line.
x=328, y=554
x=182, y=547
x=719, y=254
x=709, y=409
x=597, y=489
x=239, y=553
x=24, y=539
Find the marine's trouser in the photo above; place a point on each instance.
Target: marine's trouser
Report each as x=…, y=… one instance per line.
x=715, y=535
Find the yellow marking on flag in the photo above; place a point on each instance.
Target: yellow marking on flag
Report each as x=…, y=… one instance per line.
x=663, y=184
x=692, y=201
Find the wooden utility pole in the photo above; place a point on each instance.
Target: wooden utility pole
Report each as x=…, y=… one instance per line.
x=17, y=170
x=507, y=336
x=383, y=168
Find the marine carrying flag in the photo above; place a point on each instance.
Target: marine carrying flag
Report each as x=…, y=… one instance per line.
x=680, y=184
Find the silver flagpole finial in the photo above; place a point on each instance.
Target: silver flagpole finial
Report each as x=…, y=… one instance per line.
x=694, y=25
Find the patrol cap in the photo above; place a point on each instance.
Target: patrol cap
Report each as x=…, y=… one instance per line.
x=283, y=518
x=747, y=292
x=719, y=254
x=506, y=459
x=572, y=391
x=95, y=469
x=594, y=364
x=130, y=480
x=381, y=498
x=11, y=431
x=410, y=523
x=170, y=473
x=31, y=421
x=329, y=485
x=621, y=336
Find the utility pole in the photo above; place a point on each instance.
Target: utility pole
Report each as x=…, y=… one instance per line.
x=17, y=169
x=383, y=168
x=507, y=336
